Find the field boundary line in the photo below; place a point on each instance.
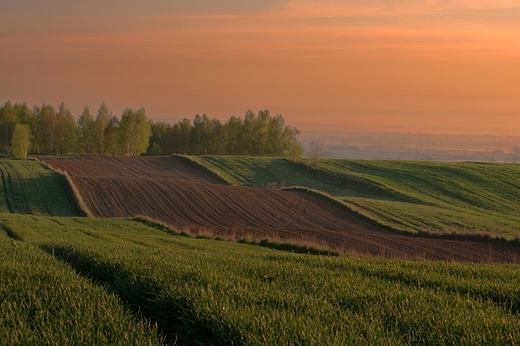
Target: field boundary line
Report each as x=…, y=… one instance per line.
x=368, y=184
x=197, y=164
x=329, y=198
x=481, y=237
x=79, y=203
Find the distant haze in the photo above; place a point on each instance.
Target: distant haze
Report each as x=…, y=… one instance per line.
x=381, y=66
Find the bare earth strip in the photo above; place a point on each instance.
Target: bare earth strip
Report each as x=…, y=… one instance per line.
x=176, y=193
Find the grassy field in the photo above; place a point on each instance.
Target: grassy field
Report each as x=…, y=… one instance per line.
x=45, y=302
x=77, y=280
x=406, y=195
x=207, y=291
x=30, y=188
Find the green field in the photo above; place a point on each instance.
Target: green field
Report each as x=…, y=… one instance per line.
x=45, y=302
x=406, y=195
x=203, y=291
x=77, y=280
x=30, y=188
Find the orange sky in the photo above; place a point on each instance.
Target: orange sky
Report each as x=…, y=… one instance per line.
x=420, y=66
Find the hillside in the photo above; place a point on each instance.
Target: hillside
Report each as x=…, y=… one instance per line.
x=29, y=188
x=98, y=281
x=175, y=192
x=407, y=195
x=79, y=280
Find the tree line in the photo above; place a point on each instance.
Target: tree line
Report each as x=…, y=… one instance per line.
x=256, y=134
x=51, y=131
x=47, y=130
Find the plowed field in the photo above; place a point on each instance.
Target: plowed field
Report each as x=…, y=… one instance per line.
x=176, y=193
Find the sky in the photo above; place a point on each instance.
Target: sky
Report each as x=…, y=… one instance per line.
x=430, y=66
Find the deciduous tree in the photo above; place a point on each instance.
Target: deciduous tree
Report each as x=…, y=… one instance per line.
x=21, y=141
x=111, y=136
x=8, y=121
x=66, y=137
x=100, y=124
x=86, y=132
x=316, y=151
x=134, y=132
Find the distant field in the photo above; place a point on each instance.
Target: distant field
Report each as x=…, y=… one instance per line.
x=77, y=280
x=415, y=154
x=29, y=188
x=407, y=195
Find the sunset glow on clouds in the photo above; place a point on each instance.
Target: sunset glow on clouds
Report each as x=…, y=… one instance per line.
x=335, y=64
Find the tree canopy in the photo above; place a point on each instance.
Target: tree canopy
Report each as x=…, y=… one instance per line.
x=54, y=131
x=21, y=141
x=256, y=135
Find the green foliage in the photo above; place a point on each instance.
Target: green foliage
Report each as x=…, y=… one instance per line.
x=44, y=128
x=134, y=132
x=86, y=133
x=29, y=188
x=21, y=141
x=111, y=136
x=8, y=120
x=257, y=135
x=100, y=124
x=316, y=151
x=66, y=137
x=57, y=132
x=203, y=291
x=406, y=195
x=44, y=302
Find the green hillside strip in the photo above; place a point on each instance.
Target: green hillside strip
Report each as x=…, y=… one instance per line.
x=487, y=186
x=205, y=291
x=45, y=302
x=468, y=197
x=29, y=188
x=280, y=172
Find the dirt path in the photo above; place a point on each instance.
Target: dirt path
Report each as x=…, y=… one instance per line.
x=177, y=193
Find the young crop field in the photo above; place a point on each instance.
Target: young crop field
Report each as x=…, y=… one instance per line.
x=29, y=188
x=102, y=279
x=45, y=302
x=452, y=196
x=406, y=195
x=174, y=191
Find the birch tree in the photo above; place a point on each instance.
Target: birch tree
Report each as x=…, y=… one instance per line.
x=21, y=141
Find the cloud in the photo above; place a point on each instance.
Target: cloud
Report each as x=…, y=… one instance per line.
x=379, y=8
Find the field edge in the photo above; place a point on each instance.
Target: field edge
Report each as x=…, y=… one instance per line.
x=77, y=200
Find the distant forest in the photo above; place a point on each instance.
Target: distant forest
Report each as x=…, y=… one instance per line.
x=256, y=134
x=51, y=131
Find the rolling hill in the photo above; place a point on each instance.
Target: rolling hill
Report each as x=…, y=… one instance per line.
x=411, y=196
x=176, y=192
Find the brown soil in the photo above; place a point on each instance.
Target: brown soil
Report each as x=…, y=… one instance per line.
x=175, y=192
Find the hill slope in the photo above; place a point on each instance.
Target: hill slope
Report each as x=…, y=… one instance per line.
x=173, y=191
x=75, y=280
x=407, y=195
x=29, y=188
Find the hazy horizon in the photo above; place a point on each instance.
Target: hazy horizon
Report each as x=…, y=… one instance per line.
x=392, y=66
